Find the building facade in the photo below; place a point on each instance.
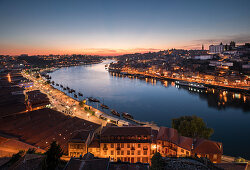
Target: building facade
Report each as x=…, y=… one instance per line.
x=138, y=144
x=216, y=49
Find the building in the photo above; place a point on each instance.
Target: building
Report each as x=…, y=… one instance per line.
x=203, y=57
x=170, y=143
x=36, y=100
x=78, y=144
x=128, y=144
x=138, y=144
x=216, y=49
x=209, y=149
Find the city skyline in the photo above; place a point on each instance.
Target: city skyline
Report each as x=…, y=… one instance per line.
x=119, y=27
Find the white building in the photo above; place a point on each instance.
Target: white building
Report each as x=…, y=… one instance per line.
x=216, y=49
x=203, y=57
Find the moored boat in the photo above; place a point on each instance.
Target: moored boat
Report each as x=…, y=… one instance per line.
x=115, y=113
x=91, y=99
x=127, y=115
x=190, y=84
x=80, y=94
x=104, y=106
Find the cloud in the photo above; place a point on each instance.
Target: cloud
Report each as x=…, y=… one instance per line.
x=240, y=39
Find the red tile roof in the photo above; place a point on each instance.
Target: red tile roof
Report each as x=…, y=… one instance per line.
x=126, y=131
x=204, y=146
x=172, y=135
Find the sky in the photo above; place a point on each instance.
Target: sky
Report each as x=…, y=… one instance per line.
x=114, y=27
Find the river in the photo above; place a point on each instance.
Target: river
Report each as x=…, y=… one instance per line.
x=226, y=112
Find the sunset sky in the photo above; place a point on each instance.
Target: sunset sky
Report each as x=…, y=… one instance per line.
x=113, y=27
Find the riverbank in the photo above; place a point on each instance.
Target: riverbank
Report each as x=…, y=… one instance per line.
x=68, y=105
x=224, y=87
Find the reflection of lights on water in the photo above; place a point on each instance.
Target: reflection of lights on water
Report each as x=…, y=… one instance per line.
x=237, y=95
x=9, y=78
x=244, y=98
x=165, y=83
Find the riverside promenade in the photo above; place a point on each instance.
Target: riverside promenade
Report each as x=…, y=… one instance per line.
x=69, y=106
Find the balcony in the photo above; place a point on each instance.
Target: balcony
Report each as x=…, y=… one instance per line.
x=105, y=148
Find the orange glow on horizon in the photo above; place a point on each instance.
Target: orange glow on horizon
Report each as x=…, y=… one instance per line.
x=11, y=50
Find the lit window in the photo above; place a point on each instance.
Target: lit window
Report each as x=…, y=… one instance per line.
x=128, y=152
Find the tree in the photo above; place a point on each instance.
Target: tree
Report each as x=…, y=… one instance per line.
x=53, y=156
x=157, y=163
x=192, y=126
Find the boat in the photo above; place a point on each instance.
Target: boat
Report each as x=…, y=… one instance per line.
x=67, y=88
x=64, y=88
x=104, y=106
x=190, y=84
x=115, y=113
x=91, y=99
x=57, y=84
x=53, y=83
x=127, y=115
x=75, y=95
x=61, y=86
x=80, y=94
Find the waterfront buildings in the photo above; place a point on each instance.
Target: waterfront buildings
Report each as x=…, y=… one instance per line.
x=138, y=144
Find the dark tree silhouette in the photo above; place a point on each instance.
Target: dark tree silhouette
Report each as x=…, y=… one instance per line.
x=53, y=156
x=157, y=163
x=192, y=126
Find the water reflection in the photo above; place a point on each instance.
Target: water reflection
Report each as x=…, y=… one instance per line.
x=216, y=98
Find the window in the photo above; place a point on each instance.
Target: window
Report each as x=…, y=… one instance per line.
x=105, y=145
x=182, y=151
x=138, y=159
x=139, y=153
x=122, y=152
x=132, y=152
x=118, y=144
x=145, y=152
x=118, y=152
x=207, y=156
x=139, y=145
x=128, y=152
x=112, y=152
x=128, y=145
x=122, y=145
x=215, y=156
x=112, y=145
x=105, y=152
x=187, y=153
